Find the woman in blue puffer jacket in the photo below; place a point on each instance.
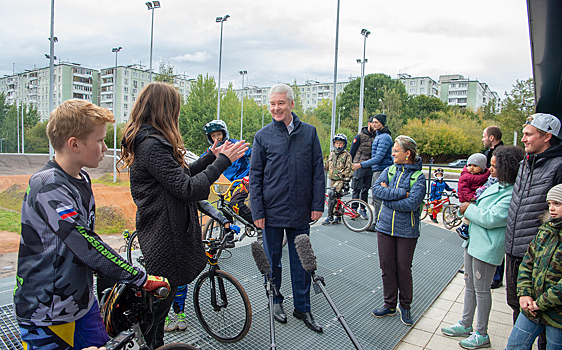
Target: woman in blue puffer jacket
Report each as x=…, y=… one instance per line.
x=398, y=226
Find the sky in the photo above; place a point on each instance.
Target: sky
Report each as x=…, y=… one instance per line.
x=278, y=41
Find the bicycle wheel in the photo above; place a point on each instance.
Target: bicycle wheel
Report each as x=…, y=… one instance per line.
x=134, y=253
x=212, y=230
x=352, y=219
x=426, y=209
x=230, y=320
x=177, y=346
x=450, y=216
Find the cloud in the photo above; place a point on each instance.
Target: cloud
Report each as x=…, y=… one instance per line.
x=200, y=56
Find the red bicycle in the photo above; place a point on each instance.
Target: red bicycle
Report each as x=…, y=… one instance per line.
x=450, y=210
x=355, y=213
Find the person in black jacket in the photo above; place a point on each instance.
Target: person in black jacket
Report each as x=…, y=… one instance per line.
x=287, y=192
x=166, y=191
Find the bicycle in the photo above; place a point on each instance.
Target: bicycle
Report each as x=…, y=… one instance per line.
x=213, y=228
x=352, y=218
x=127, y=315
x=450, y=210
x=228, y=315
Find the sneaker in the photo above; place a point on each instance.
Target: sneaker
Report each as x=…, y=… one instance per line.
x=476, y=341
x=363, y=214
x=171, y=323
x=182, y=324
x=462, y=231
x=336, y=221
x=457, y=330
x=434, y=220
x=405, y=316
x=329, y=220
x=496, y=284
x=383, y=311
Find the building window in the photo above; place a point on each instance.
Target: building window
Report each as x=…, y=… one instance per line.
x=125, y=106
x=451, y=86
x=142, y=84
x=461, y=100
x=126, y=81
x=125, y=98
x=413, y=90
x=125, y=89
x=126, y=73
x=135, y=83
x=422, y=82
x=135, y=74
x=422, y=90
x=142, y=75
x=412, y=82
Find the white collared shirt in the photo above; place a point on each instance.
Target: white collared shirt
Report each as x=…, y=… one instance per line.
x=291, y=126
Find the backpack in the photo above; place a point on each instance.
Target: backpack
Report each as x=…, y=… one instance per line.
x=415, y=175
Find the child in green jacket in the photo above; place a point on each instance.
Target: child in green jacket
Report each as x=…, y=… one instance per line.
x=539, y=283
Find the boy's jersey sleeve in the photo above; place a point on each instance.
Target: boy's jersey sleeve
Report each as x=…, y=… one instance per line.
x=60, y=209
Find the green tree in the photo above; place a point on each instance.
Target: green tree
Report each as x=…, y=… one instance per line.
x=109, y=135
x=200, y=108
x=393, y=108
x=517, y=106
x=297, y=98
x=36, y=140
x=422, y=107
x=165, y=73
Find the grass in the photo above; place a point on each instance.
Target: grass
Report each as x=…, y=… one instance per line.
x=12, y=198
x=109, y=221
x=10, y=221
x=107, y=180
x=448, y=170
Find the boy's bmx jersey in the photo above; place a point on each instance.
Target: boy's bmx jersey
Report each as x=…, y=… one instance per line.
x=59, y=250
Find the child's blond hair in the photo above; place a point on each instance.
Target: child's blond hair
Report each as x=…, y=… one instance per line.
x=75, y=118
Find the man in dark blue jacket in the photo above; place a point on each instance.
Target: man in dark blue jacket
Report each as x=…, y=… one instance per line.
x=287, y=192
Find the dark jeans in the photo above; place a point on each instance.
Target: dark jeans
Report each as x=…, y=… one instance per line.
x=511, y=271
x=498, y=276
x=155, y=337
x=395, y=259
x=300, y=279
x=361, y=184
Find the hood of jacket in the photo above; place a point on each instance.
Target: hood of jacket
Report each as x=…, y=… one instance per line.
x=365, y=130
x=384, y=130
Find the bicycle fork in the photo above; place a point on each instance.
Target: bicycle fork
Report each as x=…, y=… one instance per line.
x=214, y=281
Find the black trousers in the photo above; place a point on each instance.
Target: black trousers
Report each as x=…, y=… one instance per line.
x=155, y=337
x=361, y=184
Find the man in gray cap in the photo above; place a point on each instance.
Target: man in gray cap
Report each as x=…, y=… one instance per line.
x=539, y=171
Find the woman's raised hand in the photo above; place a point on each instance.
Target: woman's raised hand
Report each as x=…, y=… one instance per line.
x=234, y=151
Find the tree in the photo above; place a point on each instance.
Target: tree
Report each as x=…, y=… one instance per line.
x=422, y=107
x=36, y=140
x=165, y=73
x=200, y=108
x=109, y=135
x=393, y=109
x=517, y=106
x=298, y=110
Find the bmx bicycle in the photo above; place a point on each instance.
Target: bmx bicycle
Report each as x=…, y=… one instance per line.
x=450, y=213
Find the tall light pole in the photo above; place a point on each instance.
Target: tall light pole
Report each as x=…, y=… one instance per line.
x=52, y=40
x=339, y=117
x=380, y=100
x=2, y=139
x=152, y=5
x=242, y=73
x=22, y=129
x=335, y=92
x=365, y=33
x=220, y=20
x=116, y=50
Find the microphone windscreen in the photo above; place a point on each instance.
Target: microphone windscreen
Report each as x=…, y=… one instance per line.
x=260, y=258
x=306, y=255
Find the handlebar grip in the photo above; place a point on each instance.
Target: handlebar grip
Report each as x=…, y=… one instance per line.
x=162, y=292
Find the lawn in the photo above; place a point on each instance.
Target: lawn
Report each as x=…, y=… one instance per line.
x=10, y=221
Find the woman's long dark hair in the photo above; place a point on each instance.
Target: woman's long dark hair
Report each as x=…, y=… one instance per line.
x=158, y=105
x=507, y=163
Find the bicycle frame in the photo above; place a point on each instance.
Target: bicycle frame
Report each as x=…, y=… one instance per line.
x=213, y=255
x=347, y=211
x=226, y=210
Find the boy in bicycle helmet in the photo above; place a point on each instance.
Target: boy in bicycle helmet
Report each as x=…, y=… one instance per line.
x=217, y=130
x=339, y=168
x=437, y=187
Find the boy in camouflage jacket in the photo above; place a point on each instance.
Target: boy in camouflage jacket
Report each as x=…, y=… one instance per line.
x=339, y=168
x=539, y=283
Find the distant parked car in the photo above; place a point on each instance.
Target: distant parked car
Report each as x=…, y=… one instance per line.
x=459, y=163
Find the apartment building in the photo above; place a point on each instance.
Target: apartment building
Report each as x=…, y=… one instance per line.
x=419, y=85
x=32, y=86
x=456, y=90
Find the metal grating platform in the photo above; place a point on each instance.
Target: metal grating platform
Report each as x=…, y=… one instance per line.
x=349, y=263
x=10, y=334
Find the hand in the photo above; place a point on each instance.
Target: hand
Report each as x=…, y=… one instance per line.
x=315, y=215
x=260, y=223
x=383, y=184
x=234, y=151
x=528, y=304
x=463, y=207
x=152, y=283
x=214, y=149
x=356, y=166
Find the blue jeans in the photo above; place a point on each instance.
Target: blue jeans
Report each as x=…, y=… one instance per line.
x=526, y=331
x=300, y=279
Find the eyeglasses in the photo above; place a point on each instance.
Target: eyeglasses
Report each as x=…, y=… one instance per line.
x=396, y=150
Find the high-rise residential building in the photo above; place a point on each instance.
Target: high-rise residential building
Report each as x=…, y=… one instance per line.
x=32, y=86
x=456, y=90
x=130, y=80
x=419, y=85
x=312, y=92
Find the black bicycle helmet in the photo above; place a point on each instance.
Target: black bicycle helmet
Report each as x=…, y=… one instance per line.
x=340, y=137
x=216, y=125
x=123, y=306
x=438, y=173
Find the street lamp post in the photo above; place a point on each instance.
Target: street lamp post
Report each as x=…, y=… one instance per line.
x=52, y=40
x=152, y=5
x=2, y=139
x=220, y=20
x=365, y=33
x=116, y=50
x=339, y=116
x=242, y=73
x=380, y=100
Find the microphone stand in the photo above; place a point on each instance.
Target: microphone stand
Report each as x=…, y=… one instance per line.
x=319, y=282
x=271, y=293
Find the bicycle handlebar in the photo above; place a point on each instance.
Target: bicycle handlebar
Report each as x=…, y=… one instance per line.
x=224, y=184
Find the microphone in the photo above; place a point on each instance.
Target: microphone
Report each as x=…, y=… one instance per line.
x=305, y=253
x=261, y=258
